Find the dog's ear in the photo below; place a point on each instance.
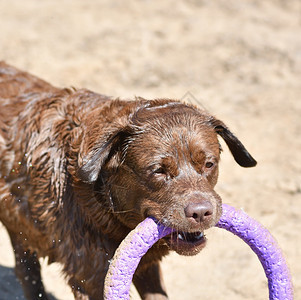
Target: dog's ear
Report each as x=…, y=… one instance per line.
x=105, y=150
x=238, y=150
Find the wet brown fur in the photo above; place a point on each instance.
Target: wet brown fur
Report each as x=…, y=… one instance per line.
x=80, y=170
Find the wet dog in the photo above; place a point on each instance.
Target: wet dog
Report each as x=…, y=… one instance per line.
x=80, y=170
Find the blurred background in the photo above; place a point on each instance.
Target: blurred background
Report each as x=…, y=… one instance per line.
x=241, y=60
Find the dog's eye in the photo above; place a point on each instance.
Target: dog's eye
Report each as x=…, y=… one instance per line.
x=209, y=165
x=159, y=170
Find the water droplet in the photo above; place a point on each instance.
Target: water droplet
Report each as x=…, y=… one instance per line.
x=26, y=277
x=19, y=163
x=18, y=187
x=34, y=282
x=21, y=232
x=40, y=295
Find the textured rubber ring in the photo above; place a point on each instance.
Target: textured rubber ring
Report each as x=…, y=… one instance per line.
x=136, y=244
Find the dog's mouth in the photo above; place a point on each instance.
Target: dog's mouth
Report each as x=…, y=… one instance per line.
x=190, y=237
x=186, y=243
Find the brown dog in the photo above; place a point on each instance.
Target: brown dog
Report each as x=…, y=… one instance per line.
x=79, y=171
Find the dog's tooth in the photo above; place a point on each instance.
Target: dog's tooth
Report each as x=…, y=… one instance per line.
x=199, y=236
x=180, y=236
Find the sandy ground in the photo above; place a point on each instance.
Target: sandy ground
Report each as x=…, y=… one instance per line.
x=239, y=59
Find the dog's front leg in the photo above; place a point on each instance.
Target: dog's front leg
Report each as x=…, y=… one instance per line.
x=149, y=282
x=28, y=270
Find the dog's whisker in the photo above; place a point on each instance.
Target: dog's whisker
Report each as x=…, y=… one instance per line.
x=123, y=211
x=120, y=187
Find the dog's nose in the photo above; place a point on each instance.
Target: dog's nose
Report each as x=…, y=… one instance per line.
x=199, y=211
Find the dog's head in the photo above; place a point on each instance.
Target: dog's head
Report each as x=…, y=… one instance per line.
x=164, y=163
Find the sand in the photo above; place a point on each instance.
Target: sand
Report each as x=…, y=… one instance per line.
x=241, y=60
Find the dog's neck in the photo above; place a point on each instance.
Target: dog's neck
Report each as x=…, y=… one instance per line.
x=97, y=210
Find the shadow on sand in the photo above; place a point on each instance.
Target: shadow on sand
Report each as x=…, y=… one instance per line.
x=10, y=287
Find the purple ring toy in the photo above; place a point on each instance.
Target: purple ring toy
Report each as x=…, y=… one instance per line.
x=148, y=232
